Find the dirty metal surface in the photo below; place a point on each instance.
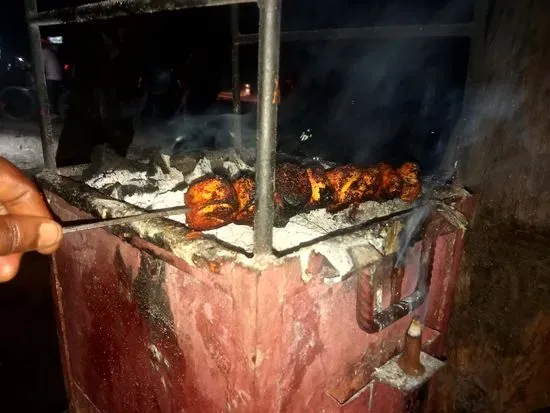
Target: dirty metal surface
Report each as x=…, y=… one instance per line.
x=391, y=374
x=108, y=9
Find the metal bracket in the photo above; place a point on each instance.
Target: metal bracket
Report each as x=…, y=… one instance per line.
x=371, y=317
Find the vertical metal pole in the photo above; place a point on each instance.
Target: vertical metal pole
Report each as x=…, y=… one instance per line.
x=268, y=75
x=46, y=128
x=236, y=78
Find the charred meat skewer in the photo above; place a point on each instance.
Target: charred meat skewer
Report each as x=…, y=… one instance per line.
x=216, y=201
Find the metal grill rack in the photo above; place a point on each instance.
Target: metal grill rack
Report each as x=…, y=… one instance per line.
x=269, y=38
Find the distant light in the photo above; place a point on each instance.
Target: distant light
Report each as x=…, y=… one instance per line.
x=21, y=59
x=66, y=67
x=55, y=39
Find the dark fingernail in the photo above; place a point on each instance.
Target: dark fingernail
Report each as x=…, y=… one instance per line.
x=49, y=234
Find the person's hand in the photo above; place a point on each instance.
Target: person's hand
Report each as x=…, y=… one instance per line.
x=25, y=222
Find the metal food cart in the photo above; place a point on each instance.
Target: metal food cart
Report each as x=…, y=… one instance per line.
x=153, y=318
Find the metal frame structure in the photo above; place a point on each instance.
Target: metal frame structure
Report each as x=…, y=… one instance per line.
x=269, y=38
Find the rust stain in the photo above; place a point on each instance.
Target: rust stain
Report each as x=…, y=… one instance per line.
x=209, y=265
x=193, y=235
x=215, y=267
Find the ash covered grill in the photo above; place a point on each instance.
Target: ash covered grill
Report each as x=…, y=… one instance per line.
x=157, y=317
x=199, y=312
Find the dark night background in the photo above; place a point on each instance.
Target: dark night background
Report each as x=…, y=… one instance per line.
x=364, y=101
x=390, y=99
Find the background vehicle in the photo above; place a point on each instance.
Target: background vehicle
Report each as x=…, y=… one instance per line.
x=18, y=96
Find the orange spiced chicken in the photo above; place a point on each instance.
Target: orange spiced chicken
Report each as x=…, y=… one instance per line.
x=216, y=201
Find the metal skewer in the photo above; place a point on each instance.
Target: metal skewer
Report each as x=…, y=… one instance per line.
x=101, y=223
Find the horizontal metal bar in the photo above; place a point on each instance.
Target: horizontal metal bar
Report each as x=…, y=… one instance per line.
x=375, y=32
x=108, y=9
x=102, y=223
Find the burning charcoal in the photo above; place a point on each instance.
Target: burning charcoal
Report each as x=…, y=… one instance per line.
x=293, y=186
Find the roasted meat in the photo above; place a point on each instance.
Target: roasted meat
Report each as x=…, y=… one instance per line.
x=348, y=186
x=411, y=182
x=390, y=182
x=213, y=203
x=216, y=201
x=372, y=179
x=293, y=187
x=210, y=216
x=322, y=191
x=216, y=189
x=245, y=188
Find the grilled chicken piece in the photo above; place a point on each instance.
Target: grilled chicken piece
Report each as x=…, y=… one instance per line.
x=390, y=183
x=292, y=187
x=245, y=188
x=210, y=190
x=213, y=203
x=348, y=185
x=412, y=186
x=216, y=202
x=372, y=180
x=322, y=192
x=210, y=216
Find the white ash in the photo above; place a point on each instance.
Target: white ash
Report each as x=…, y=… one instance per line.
x=160, y=190
x=115, y=176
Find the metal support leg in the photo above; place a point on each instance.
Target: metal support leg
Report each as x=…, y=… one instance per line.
x=46, y=128
x=236, y=78
x=268, y=75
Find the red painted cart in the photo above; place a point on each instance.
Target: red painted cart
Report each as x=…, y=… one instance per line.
x=153, y=320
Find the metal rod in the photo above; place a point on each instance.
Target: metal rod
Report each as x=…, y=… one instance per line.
x=124, y=220
x=380, y=32
x=236, y=78
x=268, y=77
x=108, y=9
x=409, y=361
x=46, y=128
